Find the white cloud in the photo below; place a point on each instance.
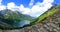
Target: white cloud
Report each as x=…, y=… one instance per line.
x=31, y=2
x=35, y=10
x=0, y=2
x=21, y=7
x=2, y=7
x=38, y=8
x=24, y=10
x=47, y=1
x=12, y=6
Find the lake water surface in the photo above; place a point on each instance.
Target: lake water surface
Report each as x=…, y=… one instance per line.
x=21, y=23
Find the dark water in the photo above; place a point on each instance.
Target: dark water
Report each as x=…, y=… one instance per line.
x=21, y=23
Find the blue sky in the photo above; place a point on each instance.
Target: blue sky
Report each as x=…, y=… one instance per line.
x=33, y=8
x=25, y=2
x=18, y=2
x=56, y=2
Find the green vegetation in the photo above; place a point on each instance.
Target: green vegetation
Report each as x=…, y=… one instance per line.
x=49, y=13
x=13, y=17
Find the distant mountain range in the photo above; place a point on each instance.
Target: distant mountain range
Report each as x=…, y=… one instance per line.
x=11, y=17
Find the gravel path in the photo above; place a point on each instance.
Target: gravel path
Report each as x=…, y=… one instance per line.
x=48, y=25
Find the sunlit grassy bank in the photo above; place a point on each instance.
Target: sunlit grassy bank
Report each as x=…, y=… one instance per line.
x=49, y=13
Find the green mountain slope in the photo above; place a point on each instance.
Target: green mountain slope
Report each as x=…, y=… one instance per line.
x=49, y=13
x=11, y=17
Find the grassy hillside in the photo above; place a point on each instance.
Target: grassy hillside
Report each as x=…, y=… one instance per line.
x=49, y=13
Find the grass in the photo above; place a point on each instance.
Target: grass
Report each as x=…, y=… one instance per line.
x=46, y=14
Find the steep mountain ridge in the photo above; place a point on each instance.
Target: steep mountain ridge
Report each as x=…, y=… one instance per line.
x=13, y=17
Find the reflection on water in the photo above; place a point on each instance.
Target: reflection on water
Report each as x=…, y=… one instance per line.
x=21, y=23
